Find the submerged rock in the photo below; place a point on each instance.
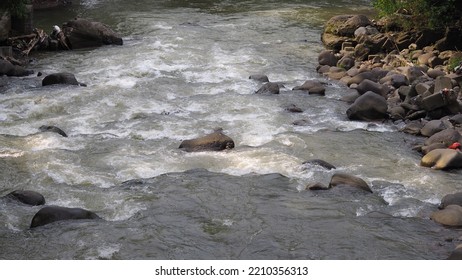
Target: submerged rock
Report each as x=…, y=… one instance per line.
x=27, y=197
x=320, y=162
x=52, y=128
x=50, y=214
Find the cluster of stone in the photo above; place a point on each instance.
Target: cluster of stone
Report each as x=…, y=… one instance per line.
x=401, y=75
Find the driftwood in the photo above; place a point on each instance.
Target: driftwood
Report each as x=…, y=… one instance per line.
x=29, y=41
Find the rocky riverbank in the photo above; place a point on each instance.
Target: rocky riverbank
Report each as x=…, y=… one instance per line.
x=412, y=79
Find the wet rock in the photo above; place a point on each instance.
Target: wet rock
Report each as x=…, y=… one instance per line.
x=327, y=57
x=308, y=85
x=269, y=88
x=449, y=216
x=8, y=69
x=341, y=180
x=216, y=141
x=259, y=78
x=294, y=109
x=446, y=137
x=350, y=97
x=432, y=127
x=83, y=33
x=317, y=187
x=61, y=78
x=442, y=159
x=302, y=122
x=369, y=106
x=52, y=128
x=50, y=214
x=456, y=254
x=450, y=199
x=27, y=197
x=319, y=162
x=413, y=127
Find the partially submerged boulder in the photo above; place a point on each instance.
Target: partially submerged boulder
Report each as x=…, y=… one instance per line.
x=367, y=107
x=449, y=216
x=268, y=88
x=216, y=141
x=342, y=180
x=451, y=199
x=61, y=78
x=27, y=197
x=83, y=33
x=50, y=214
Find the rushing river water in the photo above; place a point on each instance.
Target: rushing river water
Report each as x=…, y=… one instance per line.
x=182, y=72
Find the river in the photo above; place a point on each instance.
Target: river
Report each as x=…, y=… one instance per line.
x=182, y=72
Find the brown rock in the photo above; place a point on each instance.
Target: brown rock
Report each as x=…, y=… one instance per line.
x=442, y=159
x=450, y=216
x=215, y=141
x=341, y=179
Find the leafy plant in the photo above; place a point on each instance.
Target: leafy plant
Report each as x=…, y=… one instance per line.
x=415, y=14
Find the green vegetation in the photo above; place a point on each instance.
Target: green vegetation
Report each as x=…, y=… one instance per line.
x=454, y=61
x=415, y=14
x=16, y=8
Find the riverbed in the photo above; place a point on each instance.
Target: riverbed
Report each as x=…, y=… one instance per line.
x=182, y=72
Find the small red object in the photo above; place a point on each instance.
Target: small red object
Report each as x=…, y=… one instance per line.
x=455, y=146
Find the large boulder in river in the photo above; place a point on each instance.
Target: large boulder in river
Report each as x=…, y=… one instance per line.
x=83, y=33
x=61, y=78
x=26, y=197
x=342, y=180
x=449, y=216
x=367, y=107
x=215, y=141
x=50, y=214
x=442, y=159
